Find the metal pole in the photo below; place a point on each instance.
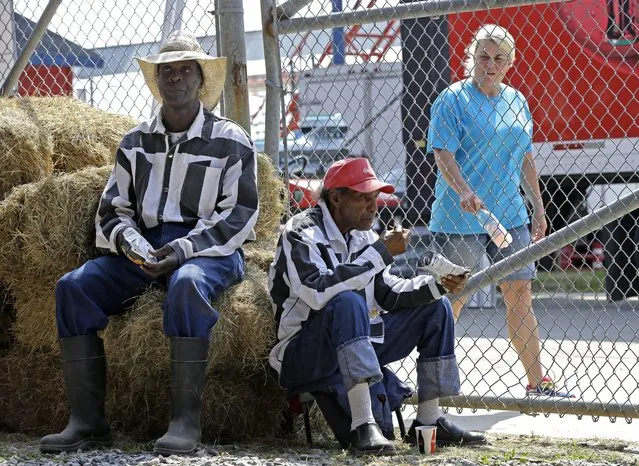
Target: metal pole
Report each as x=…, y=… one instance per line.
x=217, y=44
x=401, y=11
x=233, y=47
x=368, y=109
x=272, y=63
x=372, y=120
x=173, y=11
x=566, y=235
x=287, y=9
x=8, y=88
x=532, y=405
x=339, y=45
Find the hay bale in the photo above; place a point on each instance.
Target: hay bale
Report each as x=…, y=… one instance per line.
x=81, y=135
x=10, y=221
x=7, y=319
x=26, y=153
x=270, y=189
x=240, y=341
x=234, y=409
x=48, y=227
x=32, y=393
x=51, y=225
x=260, y=253
x=34, y=326
x=33, y=400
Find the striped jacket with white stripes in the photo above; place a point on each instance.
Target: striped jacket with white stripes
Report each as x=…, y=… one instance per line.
x=206, y=180
x=314, y=262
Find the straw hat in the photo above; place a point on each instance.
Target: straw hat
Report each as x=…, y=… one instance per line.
x=181, y=46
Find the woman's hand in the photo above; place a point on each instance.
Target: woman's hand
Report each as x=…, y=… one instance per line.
x=539, y=226
x=469, y=201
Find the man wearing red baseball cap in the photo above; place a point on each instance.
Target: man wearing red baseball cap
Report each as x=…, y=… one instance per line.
x=330, y=271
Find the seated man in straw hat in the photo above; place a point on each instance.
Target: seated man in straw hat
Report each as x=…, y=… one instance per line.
x=330, y=270
x=179, y=204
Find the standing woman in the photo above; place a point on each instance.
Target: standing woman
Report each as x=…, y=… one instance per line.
x=481, y=134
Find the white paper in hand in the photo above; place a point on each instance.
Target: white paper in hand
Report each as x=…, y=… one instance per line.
x=435, y=264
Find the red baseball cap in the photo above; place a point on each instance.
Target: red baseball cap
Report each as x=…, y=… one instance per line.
x=356, y=174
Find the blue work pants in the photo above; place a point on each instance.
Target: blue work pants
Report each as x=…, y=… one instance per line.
x=109, y=285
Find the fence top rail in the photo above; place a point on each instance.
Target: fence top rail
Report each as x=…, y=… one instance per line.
x=403, y=11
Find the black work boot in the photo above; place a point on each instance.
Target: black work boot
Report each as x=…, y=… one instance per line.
x=84, y=370
x=368, y=439
x=447, y=434
x=188, y=370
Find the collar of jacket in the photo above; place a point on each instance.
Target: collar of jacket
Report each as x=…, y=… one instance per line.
x=194, y=131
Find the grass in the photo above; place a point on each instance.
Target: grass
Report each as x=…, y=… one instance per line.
x=570, y=281
x=502, y=449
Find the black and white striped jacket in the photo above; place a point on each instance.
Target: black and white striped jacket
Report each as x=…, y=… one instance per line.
x=313, y=263
x=206, y=180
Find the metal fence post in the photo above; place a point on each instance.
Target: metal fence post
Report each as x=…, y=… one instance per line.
x=553, y=242
x=8, y=88
x=173, y=11
x=290, y=7
x=272, y=62
x=232, y=46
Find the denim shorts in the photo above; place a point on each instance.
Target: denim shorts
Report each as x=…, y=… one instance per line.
x=468, y=250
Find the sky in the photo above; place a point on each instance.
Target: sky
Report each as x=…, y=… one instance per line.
x=98, y=23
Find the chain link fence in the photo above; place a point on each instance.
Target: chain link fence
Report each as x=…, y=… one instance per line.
x=359, y=78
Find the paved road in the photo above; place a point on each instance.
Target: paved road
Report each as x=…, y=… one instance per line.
x=590, y=346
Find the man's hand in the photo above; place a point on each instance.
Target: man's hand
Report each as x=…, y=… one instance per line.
x=396, y=240
x=454, y=283
x=167, y=262
x=133, y=245
x=469, y=201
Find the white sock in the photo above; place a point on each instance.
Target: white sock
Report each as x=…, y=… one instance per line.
x=359, y=399
x=428, y=411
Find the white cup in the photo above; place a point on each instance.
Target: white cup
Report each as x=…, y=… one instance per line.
x=426, y=439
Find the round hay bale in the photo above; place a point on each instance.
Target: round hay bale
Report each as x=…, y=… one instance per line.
x=26, y=153
x=82, y=136
x=270, y=190
x=240, y=341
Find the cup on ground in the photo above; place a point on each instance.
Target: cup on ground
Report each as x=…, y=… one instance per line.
x=426, y=438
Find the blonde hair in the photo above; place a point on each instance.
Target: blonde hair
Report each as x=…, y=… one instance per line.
x=497, y=35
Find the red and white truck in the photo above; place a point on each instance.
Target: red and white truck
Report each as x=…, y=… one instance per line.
x=582, y=88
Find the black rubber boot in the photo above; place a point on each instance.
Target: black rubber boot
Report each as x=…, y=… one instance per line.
x=84, y=370
x=188, y=370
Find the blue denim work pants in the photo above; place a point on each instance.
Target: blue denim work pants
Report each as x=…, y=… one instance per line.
x=108, y=285
x=334, y=345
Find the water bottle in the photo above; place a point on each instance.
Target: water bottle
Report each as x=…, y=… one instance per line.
x=497, y=232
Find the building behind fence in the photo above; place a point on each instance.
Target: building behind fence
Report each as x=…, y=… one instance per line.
x=347, y=86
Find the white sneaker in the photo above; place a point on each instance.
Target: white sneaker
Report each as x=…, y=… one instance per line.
x=435, y=264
